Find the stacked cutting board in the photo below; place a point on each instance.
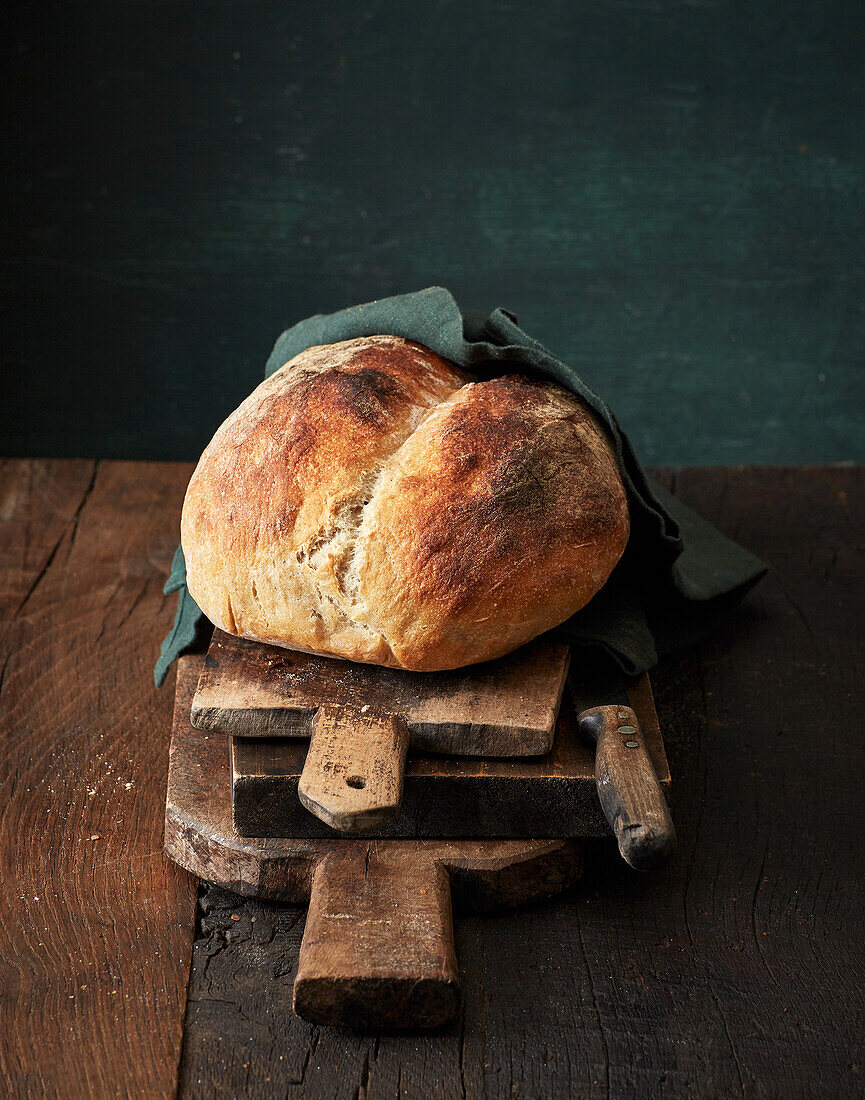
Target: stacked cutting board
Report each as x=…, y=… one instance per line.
x=379, y=797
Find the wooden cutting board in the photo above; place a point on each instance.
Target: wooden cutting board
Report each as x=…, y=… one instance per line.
x=377, y=949
x=361, y=719
x=554, y=795
x=501, y=708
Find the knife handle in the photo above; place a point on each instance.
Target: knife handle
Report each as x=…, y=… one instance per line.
x=629, y=791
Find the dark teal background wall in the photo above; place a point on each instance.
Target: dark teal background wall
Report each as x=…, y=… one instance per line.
x=669, y=194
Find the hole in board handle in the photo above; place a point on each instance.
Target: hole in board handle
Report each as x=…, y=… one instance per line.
x=356, y=781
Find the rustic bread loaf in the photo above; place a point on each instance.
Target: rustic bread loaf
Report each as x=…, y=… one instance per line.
x=369, y=501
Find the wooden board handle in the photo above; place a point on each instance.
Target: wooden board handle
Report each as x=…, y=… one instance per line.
x=630, y=795
x=353, y=774
x=377, y=949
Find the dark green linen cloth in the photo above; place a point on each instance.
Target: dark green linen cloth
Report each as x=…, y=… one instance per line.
x=678, y=575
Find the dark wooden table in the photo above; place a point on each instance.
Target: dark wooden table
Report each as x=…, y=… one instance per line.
x=738, y=969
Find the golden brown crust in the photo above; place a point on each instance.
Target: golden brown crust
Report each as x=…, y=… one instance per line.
x=369, y=502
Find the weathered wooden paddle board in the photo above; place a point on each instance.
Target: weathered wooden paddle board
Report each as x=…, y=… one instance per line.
x=361, y=719
x=377, y=949
x=502, y=708
x=554, y=795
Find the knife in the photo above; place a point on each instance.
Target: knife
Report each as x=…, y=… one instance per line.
x=628, y=788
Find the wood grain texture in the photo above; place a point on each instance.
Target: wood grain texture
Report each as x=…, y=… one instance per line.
x=551, y=795
x=378, y=942
x=97, y=925
x=731, y=971
x=353, y=774
x=506, y=707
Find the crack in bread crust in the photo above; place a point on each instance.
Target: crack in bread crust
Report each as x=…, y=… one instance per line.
x=335, y=549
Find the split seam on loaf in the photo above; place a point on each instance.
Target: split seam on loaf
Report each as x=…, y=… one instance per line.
x=339, y=544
